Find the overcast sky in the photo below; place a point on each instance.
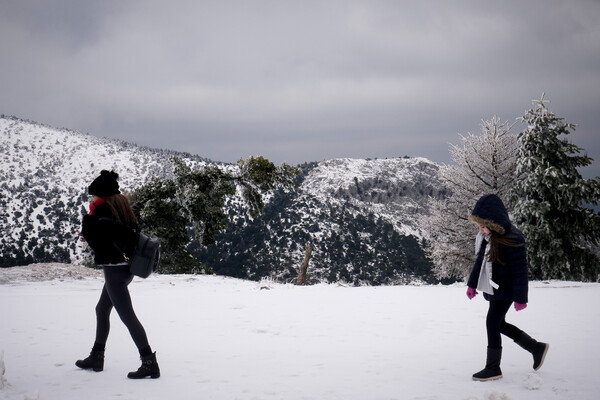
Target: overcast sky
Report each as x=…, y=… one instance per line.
x=300, y=80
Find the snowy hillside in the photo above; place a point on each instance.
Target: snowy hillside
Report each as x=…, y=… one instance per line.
x=43, y=185
x=222, y=338
x=361, y=216
x=395, y=189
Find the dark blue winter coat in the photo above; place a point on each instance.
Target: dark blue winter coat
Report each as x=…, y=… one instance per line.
x=512, y=274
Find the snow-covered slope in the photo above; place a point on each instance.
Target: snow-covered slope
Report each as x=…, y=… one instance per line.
x=43, y=185
x=222, y=338
x=361, y=216
x=394, y=189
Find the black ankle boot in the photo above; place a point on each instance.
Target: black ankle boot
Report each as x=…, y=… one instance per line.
x=492, y=366
x=149, y=368
x=537, y=349
x=95, y=361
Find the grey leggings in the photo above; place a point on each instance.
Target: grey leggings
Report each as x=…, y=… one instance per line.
x=115, y=293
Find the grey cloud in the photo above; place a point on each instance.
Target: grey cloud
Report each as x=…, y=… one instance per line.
x=299, y=81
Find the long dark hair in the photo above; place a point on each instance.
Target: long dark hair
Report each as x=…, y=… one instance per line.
x=120, y=207
x=497, y=240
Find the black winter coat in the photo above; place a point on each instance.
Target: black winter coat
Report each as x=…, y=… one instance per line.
x=512, y=276
x=113, y=243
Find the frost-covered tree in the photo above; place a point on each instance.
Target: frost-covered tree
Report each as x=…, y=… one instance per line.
x=483, y=164
x=192, y=206
x=552, y=200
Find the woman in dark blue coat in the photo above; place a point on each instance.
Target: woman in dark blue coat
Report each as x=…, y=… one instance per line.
x=500, y=272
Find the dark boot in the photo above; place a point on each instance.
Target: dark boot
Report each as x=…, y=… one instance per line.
x=149, y=368
x=492, y=366
x=95, y=361
x=537, y=349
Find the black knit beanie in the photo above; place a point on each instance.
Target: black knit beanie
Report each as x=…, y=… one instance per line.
x=105, y=185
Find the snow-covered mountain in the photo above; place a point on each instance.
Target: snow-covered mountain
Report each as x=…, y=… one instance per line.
x=44, y=177
x=362, y=217
x=393, y=189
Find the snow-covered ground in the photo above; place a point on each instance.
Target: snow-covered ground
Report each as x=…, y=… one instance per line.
x=222, y=338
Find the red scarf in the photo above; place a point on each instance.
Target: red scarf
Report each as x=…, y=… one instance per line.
x=96, y=204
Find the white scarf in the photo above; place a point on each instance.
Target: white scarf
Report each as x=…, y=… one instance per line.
x=485, y=283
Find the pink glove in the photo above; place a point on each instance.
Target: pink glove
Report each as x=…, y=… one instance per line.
x=519, y=306
x=471, y=292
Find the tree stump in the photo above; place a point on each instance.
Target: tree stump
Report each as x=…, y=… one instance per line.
x=304, y=267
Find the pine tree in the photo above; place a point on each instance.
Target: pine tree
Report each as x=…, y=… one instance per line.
x=484, y=164
x=552, y=200
x=160, y=214
x=192, y=206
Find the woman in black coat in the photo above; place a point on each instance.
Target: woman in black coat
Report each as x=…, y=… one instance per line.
x=110, y=229
x=500, y=272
